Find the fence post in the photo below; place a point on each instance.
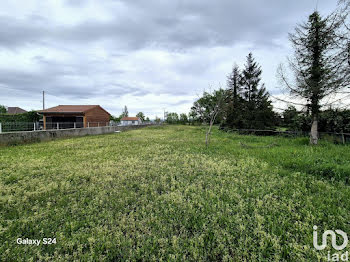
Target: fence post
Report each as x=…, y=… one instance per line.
x=88, y=124
x=75, y=125
x=98, y=124
x=58, y=125
x=34, y=127
x=0, y=128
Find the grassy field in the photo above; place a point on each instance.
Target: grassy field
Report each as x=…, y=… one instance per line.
x=157, y=194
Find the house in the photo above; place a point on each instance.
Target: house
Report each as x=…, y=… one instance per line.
x=127, y=121
x=15, y=110
x=74, y=116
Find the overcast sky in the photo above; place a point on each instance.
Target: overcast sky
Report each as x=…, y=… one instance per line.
x=146, y=54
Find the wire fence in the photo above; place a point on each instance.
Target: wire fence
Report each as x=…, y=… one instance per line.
x=338, y=138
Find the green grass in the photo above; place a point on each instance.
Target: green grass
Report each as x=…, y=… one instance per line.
x=157, y=194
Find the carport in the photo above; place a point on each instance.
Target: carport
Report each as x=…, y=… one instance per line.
x=74, y=116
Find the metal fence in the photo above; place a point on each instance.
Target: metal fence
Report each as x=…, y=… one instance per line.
x=62, y=125
x=36, y=126
x=19, y=126
x=67, y=125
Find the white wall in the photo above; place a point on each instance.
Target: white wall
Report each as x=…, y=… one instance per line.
x=129, y=123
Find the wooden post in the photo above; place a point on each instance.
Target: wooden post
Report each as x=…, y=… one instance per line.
x=44, y=118
x=0, y=128
x=342, y=136
x=34, y=126
x=88, y=124
x=84, y=120
x=58, y=125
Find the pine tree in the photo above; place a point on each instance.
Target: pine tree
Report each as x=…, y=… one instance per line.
x=257, y=110
x=251, y=77
x=248, y=104
x=233, y=103
x=264, y=117
x=318, y=73
x=234, y=83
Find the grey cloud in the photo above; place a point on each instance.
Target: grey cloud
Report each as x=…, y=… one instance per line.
x=76, y=3
x=36, y=83
x=181, y=102
x=173, y=26
x=19, y=32
x=118, y=90
x=64, y=79
x=169, y=25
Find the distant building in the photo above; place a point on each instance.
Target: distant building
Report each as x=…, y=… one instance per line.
x=70, y=116
x=127, y=121
x=15, y=110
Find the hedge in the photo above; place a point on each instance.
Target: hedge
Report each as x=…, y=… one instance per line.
x=31, y=116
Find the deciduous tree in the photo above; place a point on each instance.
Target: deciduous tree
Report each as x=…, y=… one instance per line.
x=172, y=118
x=3, y=109
x=125, y=112
x=183, y=119
x=141, y=116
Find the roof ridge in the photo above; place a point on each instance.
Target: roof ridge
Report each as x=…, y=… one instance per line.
x=72, y=108
x=76, y=105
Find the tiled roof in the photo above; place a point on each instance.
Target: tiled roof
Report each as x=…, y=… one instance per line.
x=127, y=118
x=69, y=109
x=15, y=110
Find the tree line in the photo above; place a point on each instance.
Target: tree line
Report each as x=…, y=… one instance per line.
x=125, y=113
x=244, y=103
x=317, y=76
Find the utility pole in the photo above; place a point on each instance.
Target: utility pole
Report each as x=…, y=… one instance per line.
x=165, y=115
x=43, y=100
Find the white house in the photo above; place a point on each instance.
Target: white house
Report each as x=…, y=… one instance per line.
x=127, y=121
